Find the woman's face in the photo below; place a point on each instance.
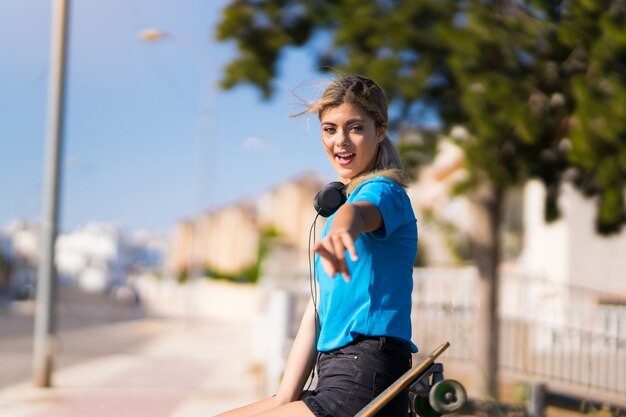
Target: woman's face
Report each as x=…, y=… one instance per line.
x=350, y=139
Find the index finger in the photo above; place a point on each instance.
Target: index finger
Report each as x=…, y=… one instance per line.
x=348, y=243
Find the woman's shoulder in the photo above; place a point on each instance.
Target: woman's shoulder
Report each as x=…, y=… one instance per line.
x=392, y=178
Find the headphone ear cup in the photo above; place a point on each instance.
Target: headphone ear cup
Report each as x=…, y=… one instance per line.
x=330, y=198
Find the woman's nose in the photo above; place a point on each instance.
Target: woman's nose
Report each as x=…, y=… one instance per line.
x=343, y=138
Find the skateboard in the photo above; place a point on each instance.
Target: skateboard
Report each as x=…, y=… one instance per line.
x=429, y=394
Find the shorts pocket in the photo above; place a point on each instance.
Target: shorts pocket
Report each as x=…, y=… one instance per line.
x=337, y=371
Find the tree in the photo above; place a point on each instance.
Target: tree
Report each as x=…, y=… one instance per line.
x=538, y=84
x=598, y=121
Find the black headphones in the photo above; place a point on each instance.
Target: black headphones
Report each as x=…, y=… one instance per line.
x=330, y=198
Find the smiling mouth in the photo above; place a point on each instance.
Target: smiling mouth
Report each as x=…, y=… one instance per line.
x=344, y=158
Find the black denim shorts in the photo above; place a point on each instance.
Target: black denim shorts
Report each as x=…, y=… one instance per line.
x=350, y=377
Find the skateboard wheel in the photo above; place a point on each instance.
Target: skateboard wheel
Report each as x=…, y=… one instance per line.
x=447, y=396
x=420, y=405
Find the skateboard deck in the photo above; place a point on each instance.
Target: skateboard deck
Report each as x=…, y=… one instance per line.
x=401, y=383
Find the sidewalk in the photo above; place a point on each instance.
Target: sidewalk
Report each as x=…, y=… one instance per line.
x=189, y=369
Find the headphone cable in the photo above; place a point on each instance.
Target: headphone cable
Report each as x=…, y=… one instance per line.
x=313, y=290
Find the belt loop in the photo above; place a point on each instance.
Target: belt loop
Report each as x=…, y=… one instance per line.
x=382, y=342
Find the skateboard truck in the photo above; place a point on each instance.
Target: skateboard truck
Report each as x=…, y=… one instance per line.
x=430, y=395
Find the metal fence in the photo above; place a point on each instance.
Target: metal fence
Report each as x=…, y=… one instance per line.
x=445, y=309
x=549, y=332
x=587, y=350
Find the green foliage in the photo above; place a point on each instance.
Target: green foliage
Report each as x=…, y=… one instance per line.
x=262, y=29
x=599, y=120
x=457, y=244
x=590, y=410
x=247, y=274
x=267, y=235
x=540, y=84
x=183, y=276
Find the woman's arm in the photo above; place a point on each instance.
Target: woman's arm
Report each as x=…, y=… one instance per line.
x=301, y=358
x=350, y=221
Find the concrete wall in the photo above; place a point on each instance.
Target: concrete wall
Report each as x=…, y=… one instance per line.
x=546, y=246
x=595, y=261
x=200, y=299
x=569, y=250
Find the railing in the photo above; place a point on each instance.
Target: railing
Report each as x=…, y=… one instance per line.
x=445, y=309
x=571, y=354
x=548, y=332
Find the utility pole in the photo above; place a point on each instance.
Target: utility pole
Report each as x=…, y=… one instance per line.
x=43, y=349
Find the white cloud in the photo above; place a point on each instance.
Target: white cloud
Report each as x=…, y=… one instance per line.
x=73, y=162
x=253, y=144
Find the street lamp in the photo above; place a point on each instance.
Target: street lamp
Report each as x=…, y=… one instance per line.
x=152, y=35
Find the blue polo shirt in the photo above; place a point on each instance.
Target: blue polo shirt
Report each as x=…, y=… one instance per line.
x=377, y=300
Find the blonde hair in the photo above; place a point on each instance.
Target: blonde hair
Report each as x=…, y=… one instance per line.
x=367, y=95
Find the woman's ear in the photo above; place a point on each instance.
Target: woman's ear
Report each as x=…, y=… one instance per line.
x=381, y=133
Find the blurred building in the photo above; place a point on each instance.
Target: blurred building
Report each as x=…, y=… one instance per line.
x=222, y=241
x=94, y=257
x=567, y=254
x=101, y=255
x=229, y=240
x=20, y=252
x=443, y=219
x=179, y=252
x=570, y=251
x=288, y=208
x=5, y=266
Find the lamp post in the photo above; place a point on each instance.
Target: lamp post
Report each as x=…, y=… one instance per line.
x=43, y=345
x=152, y=35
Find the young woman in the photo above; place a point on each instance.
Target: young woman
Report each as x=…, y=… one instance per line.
x=360, y=333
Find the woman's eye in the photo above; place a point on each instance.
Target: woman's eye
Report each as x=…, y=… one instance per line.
x=329, y=129
x=356, y=128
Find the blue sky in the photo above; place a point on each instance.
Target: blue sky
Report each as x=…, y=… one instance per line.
x=145, y=144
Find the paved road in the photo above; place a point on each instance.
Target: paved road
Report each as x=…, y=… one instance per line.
x=89, y=326
x=114, y=361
